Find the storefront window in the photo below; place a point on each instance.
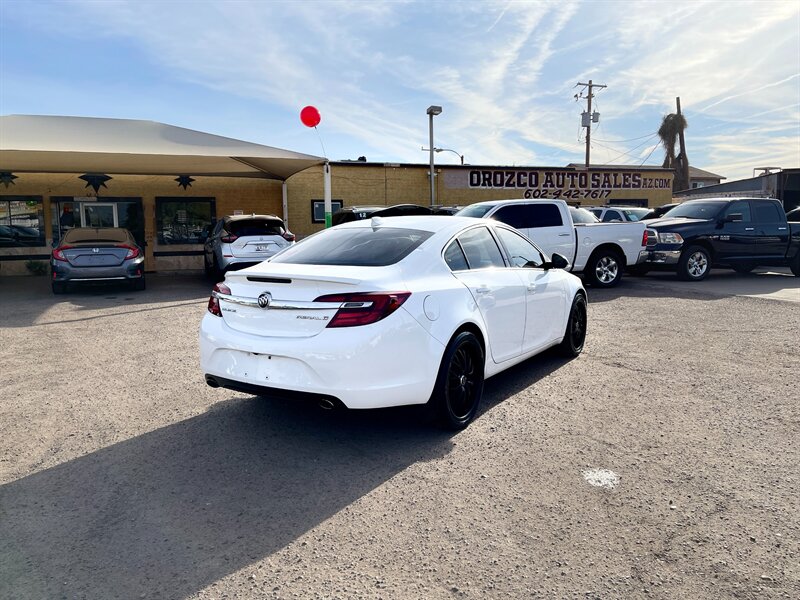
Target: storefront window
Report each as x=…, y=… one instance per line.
x=21, y=221
x=69, y=212
x=183, y=220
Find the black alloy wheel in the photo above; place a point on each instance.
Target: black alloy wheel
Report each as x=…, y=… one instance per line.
x=575, y=334
x=459, y=384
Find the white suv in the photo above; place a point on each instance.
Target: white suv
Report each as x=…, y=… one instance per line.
x=240, y=241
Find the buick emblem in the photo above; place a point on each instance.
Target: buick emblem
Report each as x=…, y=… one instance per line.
x=264, y=300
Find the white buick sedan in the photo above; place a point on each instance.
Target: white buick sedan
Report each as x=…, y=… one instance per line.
x=392, y=311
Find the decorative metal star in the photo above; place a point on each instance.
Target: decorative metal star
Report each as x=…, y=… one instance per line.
x=7, y=178
x=96, y=180
x=184, y=181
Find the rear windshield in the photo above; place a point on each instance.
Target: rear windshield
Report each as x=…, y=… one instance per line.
x=636, y=214
x=581, y=215
x=476, y=210
x=92, y=235
x=355, y=247
x=242, y=227
x=696, y=210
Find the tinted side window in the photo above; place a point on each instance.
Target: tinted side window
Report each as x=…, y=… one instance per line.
x=480, y=249
x=521, y=252
x=611, y=215
x=513, y=214
x=454, y=257
x=768, y=212
x=740, y=206
x=543, y=215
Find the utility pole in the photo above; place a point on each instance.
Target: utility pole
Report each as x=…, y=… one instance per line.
x=588, y=116
x=683, y=164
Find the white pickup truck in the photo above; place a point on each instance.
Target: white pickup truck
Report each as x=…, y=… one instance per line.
x=600, y=251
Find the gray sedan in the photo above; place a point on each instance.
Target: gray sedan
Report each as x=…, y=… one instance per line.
x=91, y=254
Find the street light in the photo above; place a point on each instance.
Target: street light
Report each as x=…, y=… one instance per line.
x=432, y=111
x=437, y=150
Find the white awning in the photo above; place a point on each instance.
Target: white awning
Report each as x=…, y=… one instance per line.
x=52, y=144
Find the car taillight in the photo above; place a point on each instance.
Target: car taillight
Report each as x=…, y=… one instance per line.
x=364, y=308
x=133, y=251
x=58, y=253
x=644, y=238
x=229, y=239
x=289, y=237
x=213, y=303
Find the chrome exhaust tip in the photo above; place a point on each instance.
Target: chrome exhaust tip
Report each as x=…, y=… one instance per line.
x=211, y=382
x=326, y=404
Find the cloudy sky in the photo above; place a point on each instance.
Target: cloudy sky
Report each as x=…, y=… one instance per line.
x=504, y=72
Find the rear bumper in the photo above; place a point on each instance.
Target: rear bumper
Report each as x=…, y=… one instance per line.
x=373, y=366
x=128, y=270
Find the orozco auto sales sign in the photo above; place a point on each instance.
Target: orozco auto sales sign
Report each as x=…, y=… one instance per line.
x=568, y=184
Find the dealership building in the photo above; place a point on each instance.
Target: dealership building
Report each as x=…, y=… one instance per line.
x=167, y=184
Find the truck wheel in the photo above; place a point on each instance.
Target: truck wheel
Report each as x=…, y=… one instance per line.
x=796, y=265
x=694, y=264
x=604, y=269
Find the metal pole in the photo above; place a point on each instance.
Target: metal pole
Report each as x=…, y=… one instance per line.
x=432, y=173
x=285, y=202
x=326, y=169
x=589, y=124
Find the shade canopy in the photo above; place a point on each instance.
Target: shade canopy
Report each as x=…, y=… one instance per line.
x=53, y=144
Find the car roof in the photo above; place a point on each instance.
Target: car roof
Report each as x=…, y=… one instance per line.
x=432, y=223
x=229, y=218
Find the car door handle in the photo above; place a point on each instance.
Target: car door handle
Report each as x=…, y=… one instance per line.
x=749, y=228
x=531, y=287
x=564, y=234
x=482, y=290
x=781, y=228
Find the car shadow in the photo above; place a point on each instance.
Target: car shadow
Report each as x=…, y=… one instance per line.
x=168, y=513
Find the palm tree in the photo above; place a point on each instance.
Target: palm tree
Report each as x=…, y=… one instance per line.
x=672, y=125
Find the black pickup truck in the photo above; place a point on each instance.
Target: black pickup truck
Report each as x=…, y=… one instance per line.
x=739, y=233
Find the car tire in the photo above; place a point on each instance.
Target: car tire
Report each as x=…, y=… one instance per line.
x=459, y=383
x=59, y=287
x=575, y=333
x=744, y=268
x=694, y=264
x=206, y=268
x=138, y=284
x=604, y=269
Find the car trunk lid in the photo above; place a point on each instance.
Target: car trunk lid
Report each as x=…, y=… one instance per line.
x=287, y=294
x=95, y=255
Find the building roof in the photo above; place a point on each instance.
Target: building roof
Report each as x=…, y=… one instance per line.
x=55, y=144
x=695, y=173
x=617, y=167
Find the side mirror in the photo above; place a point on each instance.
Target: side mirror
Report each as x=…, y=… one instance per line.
x=556, y=262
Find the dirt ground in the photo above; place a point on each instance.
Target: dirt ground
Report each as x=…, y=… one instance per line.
x=122, y=475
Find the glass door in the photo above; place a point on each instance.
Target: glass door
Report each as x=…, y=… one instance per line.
x=96, y=214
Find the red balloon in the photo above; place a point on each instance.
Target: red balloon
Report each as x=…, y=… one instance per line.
x=310, y=116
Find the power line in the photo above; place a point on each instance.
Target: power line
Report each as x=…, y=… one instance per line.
x=651, y=152
x=629, y=152
x=649, y=135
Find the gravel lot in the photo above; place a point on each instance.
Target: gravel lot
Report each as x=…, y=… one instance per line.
x=122, y=475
